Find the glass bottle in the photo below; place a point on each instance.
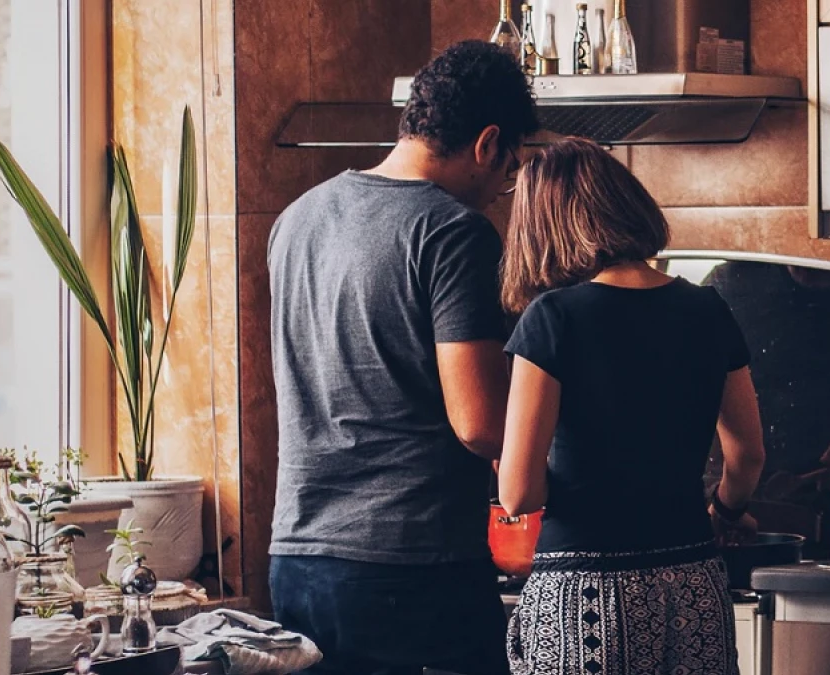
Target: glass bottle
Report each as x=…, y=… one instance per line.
x=583, y=62
x=13, y=519
x=138, y=628
x=505, y=34
x=598, y=45
x=547, y=60
x=7, y=595
x=528, y=41
x=620, y=52
x=6, y=556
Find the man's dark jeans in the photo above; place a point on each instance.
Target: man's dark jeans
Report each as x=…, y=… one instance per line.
x=371, y=619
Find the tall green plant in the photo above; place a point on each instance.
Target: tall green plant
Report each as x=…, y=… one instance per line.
x=135, y=356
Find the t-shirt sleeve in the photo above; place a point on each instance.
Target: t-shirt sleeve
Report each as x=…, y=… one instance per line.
x=538, y=336
x=737, y=351
x=460, y=272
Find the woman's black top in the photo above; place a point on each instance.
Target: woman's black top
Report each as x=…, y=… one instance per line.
x=642, y=374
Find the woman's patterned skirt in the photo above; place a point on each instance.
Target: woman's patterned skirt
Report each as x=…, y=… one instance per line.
x=665, y=612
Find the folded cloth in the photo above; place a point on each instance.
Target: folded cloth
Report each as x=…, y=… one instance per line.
x=243, y=643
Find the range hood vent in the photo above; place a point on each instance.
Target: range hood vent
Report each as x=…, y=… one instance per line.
x=652, y=108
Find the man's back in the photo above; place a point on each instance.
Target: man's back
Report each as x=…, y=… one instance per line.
x=367, y=274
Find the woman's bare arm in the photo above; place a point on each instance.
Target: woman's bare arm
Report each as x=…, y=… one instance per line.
x=741, y=438
x=532, y=414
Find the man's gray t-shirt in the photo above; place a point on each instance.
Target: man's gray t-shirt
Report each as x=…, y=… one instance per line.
x=367, y=273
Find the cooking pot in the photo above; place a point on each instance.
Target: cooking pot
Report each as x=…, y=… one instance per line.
x=513, y=540
x=768, y=548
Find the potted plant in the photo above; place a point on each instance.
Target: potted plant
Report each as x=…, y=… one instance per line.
x=167, y=509
x=96, y=515
x=43, y=578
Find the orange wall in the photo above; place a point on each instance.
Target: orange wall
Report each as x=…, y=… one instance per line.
x=156, y=71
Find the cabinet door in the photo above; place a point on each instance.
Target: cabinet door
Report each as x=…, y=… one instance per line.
x=745, y=637
x=824, y=118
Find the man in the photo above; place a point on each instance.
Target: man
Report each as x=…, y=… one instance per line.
x=391, y=384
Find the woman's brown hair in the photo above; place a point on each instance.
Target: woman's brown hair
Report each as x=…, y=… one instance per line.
x=576, y=211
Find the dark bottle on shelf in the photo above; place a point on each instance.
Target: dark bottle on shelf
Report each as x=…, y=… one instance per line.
x=583, y=60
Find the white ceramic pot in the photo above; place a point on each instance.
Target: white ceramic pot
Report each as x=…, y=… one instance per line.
x=169, y=509
x=94, y=514
x=8, y=583
x=53, y=639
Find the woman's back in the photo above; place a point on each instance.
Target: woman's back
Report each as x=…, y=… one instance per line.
x=642, y=372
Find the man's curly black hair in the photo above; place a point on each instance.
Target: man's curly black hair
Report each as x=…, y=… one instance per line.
x=469, y=86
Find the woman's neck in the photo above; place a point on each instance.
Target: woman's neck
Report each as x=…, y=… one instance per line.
x=635, y=274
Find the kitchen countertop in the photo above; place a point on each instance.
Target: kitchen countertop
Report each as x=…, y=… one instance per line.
x=806, y=577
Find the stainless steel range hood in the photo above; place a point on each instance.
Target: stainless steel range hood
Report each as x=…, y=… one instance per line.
x=652, y=108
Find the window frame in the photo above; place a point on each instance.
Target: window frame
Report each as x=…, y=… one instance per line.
x=64, y=98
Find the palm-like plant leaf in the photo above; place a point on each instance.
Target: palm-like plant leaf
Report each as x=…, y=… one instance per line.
x=137, y=366
x=53, y=238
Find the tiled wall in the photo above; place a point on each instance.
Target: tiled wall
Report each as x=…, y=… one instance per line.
x=156, y=71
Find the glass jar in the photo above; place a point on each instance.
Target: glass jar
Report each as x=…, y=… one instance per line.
x=138, y=631
x=42, y=580
x=13, y=519
x=106, y=600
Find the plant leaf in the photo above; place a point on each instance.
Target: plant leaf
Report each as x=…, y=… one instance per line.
x=68, y=531
x=188, y=190
x=53, y=238
x=64, y=487
x=124, y=470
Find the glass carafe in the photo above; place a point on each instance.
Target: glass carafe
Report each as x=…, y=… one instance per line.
x=13, y=519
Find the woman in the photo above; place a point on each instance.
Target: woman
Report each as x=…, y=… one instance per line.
x=621, y=375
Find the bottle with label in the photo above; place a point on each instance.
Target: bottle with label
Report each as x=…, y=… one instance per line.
x=505, y=34
x=583, y=61
x=547, y=60
x=620, y=53
x=598, y=46
x=528, y=41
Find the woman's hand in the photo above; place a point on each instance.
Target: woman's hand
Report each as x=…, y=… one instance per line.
x=727, y=533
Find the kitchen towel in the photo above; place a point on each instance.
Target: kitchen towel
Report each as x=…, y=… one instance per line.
x=244, y=644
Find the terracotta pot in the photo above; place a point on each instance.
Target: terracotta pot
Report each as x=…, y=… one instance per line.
x=513, y=540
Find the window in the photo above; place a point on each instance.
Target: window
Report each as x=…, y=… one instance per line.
x=39, y=355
